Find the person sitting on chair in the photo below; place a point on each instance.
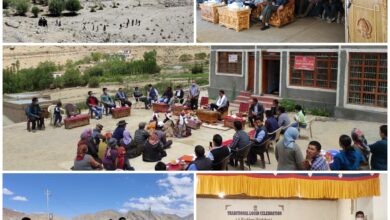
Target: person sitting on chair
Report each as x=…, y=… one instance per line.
x=179, y=95
x=201, y=162
x=271, y=123
x=218, y=152
x=221, y=103
x=122, y=97
x=167, y=95
x=107, y=101
x=258, y=141
x=283, y=118
x=240, y=140
x=255, y=110
x=35, y=115
x=193, y=95
x=93, y=104
x=271, y=7
x=153, y=96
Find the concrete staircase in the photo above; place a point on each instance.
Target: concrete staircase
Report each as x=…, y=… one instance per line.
x=246, y=97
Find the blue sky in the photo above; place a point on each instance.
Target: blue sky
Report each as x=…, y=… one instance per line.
x=75, y=194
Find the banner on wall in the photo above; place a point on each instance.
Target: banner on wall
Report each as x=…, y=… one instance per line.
x=304, y=63
x=233, y=58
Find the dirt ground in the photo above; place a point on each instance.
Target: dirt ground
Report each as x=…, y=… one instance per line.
x=55, y=148
x=158, y=24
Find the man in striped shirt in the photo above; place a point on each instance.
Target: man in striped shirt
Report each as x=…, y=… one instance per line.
x=314, y=161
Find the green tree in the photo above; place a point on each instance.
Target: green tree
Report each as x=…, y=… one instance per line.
x=21, y=6
x=96, y=56
x=73, y=6
x=35, y=11
x=56, y=7
x=72, y=77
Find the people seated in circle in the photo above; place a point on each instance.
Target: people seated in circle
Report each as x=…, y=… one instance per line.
x=348, y=158
x=241, y=139
x=379, y=151
x=107, y=101
x=258, y=140
x=201, y=162
x=314, y=160
x=84, y=161
x=35, y=115
x=218, y=153
x=288, y=153
x=167, y=95
x=299, y=117
x=153, y=149
x=255, y=110
x=222, y=103
x=122, y=97
x=179, y=95
x=93, y=104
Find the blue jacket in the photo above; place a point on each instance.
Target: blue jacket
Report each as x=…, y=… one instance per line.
x=347, y=160
x=33, y=111
x=152, y=93
x=379, y=155
x=118, y=133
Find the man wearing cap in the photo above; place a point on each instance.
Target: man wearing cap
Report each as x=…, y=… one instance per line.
x=122, y=97
x=118, y=133
x=162, y=136
x=93, y=104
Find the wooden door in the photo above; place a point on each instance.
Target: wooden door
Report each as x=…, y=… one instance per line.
x=251, y=72
x=367, y=21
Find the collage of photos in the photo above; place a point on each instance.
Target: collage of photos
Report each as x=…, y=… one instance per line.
x=194, y=110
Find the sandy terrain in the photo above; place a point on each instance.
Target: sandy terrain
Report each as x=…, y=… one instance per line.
x=159, y=24
x=55, y=148
x=30, y=56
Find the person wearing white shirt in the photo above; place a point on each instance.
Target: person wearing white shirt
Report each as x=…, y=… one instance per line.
x=221, y=103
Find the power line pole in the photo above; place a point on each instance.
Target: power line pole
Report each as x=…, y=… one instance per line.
x=47, y=194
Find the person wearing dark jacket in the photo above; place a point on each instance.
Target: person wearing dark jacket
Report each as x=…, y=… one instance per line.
x=255, y=110
x=348, y=158
x=240, y=140
x=153, y=96
x=35, y=114
x=261, y=135
x=93, y=105
x=379, y=151
x=271, y=7
x=167, y=95
x=201, y=162
x=179, y=95
x=118, y=132
x=122, y=97
x=218, y=152
x=153, y=150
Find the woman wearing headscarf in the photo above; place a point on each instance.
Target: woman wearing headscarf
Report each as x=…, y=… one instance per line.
x=153, y=149
x=84, y=161
x=111, y=154
x=287, y=152
x=129, y=145
x=87, y=138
